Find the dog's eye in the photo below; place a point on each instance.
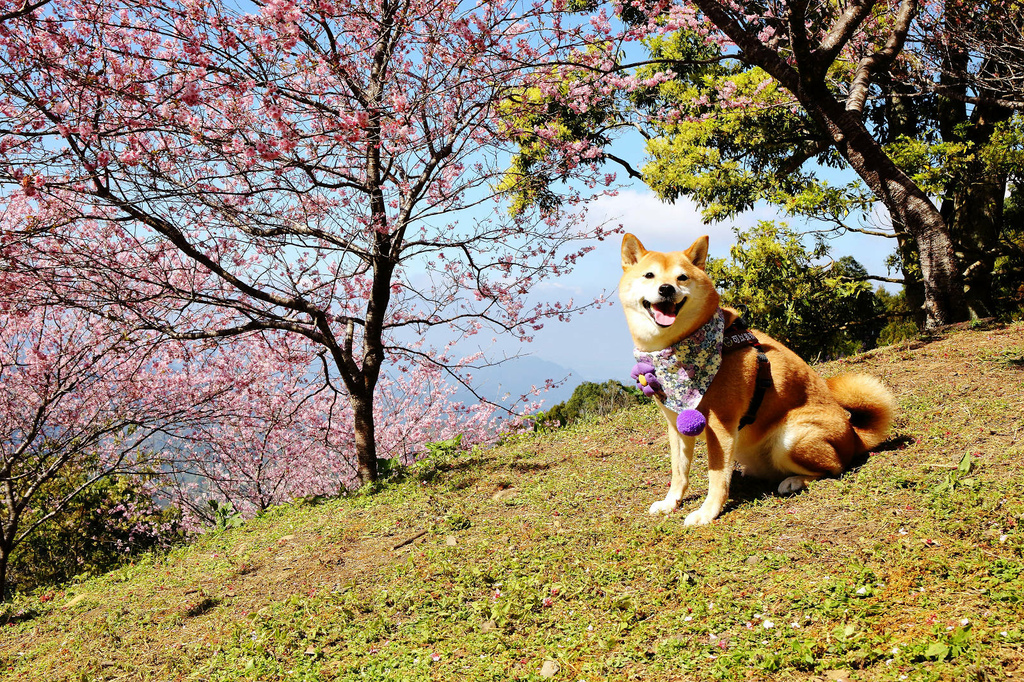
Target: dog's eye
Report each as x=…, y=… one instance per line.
x=649, y=275
x=682, y=278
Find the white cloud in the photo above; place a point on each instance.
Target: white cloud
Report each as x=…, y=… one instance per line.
x=664, y=226
x=647, y=216
x=547, y=287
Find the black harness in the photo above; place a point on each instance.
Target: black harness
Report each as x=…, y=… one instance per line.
x=738, y=336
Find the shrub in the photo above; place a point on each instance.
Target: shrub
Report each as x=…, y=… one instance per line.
x=106, y=524
x=590, y=400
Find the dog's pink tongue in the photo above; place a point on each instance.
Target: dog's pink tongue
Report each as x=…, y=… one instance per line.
x=665, y=319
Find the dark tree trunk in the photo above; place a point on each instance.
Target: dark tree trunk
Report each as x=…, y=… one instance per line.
x=909, y=208
x=5, y=556
x=974, y=214
x=373, y=360
x=973, y=209
x=365, y=441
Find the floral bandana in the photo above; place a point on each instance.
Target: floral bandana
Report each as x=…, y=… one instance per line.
x=686, y=370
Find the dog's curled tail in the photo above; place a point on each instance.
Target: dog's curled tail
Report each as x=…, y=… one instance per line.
x=869, y=403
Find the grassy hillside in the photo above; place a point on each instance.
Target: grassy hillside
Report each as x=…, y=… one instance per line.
x=538, y=560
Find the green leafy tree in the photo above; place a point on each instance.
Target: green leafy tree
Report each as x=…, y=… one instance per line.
x=591, y=399
x=734, y=138
x=747, y=102
x=1008, y=279
x=900, y=326
x=817, y=310
x=973, y=165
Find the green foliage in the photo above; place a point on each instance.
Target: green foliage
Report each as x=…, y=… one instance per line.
x=957, y=478
x=538, y=124
x=388, y=469
x=986, y=227
x=817, y=310
x=900, y=326
x=952, y=169
x=590, y=399
x=224, y=515
x=1008, y=278
x=107, y=523
x=445, y=450
x=734, y=138
x=940, y=167
x=933, y=166
x=441, y=456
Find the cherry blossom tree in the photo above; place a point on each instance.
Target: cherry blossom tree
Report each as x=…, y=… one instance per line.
x=325, y=169
x=267, y=440
x=19, y=8
x=265, y=446
x=245, y=423
x=75, y=392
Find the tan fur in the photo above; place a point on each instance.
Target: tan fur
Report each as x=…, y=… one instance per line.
x=806, y=427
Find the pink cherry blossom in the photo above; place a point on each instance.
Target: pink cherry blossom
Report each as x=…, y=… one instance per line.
x=330, y=173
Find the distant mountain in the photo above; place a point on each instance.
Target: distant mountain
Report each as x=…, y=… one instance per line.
x=516, y=377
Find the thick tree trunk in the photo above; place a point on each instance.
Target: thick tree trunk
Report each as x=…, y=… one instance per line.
x=365, y=441
x=373, y=360
x=974, y=215
x=5, y=556
x=909, y=208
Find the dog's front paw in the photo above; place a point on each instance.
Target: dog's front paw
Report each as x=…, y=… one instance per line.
x=701, y=517
x=666, y=506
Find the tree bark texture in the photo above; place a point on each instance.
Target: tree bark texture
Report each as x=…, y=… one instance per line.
x=364, y=435
x=909, y=207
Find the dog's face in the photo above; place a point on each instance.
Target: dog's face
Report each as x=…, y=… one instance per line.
x=666, y=296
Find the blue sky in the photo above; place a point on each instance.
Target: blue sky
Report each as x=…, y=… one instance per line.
x=596, y=345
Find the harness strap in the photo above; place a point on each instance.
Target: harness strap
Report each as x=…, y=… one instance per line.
x=764, y=382
x=738, y=336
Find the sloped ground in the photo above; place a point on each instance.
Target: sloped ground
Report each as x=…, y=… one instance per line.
x=537, y=559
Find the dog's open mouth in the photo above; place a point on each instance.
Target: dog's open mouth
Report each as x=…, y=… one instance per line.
x=664, y=312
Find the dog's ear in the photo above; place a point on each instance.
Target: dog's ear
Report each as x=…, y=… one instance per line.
x=698, y=253
x=632, y=251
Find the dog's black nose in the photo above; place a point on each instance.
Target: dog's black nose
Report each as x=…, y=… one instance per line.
x=667, y=291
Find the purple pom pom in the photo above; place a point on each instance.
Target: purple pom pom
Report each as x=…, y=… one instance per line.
x=690, y=423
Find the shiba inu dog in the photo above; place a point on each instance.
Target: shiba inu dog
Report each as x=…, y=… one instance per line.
x=764, y=407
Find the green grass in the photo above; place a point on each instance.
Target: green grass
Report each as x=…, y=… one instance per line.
x=909, y=566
